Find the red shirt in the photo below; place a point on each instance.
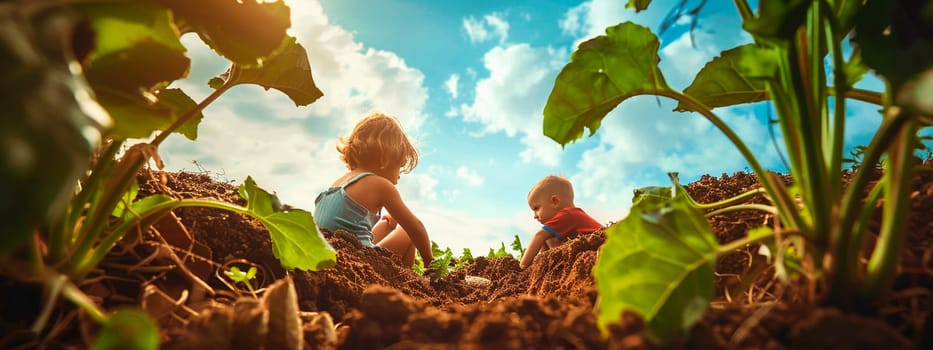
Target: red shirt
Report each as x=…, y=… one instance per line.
x=571, y=220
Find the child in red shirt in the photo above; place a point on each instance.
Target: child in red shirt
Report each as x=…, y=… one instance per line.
x=551, y=199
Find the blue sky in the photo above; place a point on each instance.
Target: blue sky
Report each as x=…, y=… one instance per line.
x=469, y=80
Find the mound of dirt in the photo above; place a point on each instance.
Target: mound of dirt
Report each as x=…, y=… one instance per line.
x=370, y=301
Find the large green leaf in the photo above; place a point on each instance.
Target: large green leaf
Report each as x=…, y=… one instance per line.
x=138, y=117
x=603, y=72
x=134, y=116
x=288, y=71
x=242, y=31
x=722, y=82
x=137, y=47
x=778, y=19
x=651, y=196
x=896, y=38
x=49, y=122
x=181, y=104
x=137, y=50
x=296, y=242
x=657, y=262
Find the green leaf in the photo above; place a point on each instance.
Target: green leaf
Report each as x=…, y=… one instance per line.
x=778, y=19
x=242, y=31
x=722, y=82
x=50, y=125
x=181, y=104
x=845, y=15
x=652, y=196
x=128, y=329
x=215, y=83
x=657, y=262
x=296, y=241
x=854, y=69
x=895, y=41
x=128, y=198
x=137, y=47
x=603, y=72
x=501, y=252
x=237, y=275
x=758, y=62
x=517, y=246
x=288, y=71
x=436, y=249
x=467, y=255
x=638, y=5
x=134, y=116
x=137, y=51
x=138, y=117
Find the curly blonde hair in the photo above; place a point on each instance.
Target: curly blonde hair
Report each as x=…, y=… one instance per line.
x=378, y=141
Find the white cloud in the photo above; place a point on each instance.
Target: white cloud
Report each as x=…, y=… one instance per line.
x=511, y=99
x=452, y=85
x=416, y=187
x=475, y=30
x=681, y=61
x=355, y=80
x=469, y=176
x=572, y=22
x=500, y=27
x=490, y=27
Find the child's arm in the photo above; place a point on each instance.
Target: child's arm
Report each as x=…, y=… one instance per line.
x=533, y=247
x=412, y=225
x=383, y=227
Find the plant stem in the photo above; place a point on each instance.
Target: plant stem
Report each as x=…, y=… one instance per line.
x=728, y=201
x=102, y=208
x=738, y=243
x=752, y=206
x=143, y=221
x=781, y=199
x=744, y=10
x=884, y=259
x=73, y=293
x=63, y=236
x=836, y=130
x=194, y=111
x=55, y=288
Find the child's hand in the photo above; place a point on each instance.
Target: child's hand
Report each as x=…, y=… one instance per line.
x=433, y=274
x=427, y=258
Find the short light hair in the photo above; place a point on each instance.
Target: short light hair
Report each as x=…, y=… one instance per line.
x=378, y=141
x=553, y=184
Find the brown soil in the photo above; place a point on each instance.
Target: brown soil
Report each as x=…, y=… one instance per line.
x=370, y=301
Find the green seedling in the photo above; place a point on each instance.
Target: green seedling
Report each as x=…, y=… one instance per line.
x=443, y=258
x=517, y=246
x=499, y=253
x=238, y=276
x=465, y=259
x=797, y=62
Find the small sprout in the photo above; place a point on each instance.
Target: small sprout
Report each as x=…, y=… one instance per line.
x=517, y=246
x=243, y=277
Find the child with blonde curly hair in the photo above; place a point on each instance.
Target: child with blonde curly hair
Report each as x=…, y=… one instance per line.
x=376, y=152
